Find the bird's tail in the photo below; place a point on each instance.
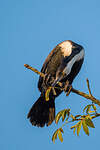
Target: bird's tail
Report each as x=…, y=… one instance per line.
x=42, y=112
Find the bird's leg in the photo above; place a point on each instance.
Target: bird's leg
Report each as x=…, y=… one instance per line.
x=53, y=90
x=60, y=84
x=67, y=88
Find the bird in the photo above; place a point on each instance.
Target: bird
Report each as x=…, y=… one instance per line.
x=61, y=66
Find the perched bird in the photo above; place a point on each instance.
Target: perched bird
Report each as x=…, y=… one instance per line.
x=62, y=65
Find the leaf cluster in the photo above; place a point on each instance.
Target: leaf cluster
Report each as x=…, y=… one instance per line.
x=85, y=120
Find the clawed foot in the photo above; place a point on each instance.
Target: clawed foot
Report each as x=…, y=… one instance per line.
x=69, y=90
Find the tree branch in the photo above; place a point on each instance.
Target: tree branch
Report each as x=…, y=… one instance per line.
x=87, y=96
x=88, y=85
x=34, y=70
x=96, y=115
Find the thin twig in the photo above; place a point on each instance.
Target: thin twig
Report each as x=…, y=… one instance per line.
x=88, y=85
x=96, y=115
x=34, y=70
x=93, y=99
x=73, y=120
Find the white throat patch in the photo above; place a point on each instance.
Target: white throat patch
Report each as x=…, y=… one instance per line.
x=66, y=48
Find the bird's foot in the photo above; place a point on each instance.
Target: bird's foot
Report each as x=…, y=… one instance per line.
x=69, y=90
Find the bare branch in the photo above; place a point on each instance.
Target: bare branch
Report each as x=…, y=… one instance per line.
x=88, y=85
x=34, y=70
x=96, y=115
x=87, y=96
x=93, y=99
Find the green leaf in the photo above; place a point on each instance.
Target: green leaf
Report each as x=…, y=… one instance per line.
x=85, y=128
x=85, y=108
x=47, y=94
x=64, y=113
x=79, y=124
x=94, y=107
x=91, y=111
x=54, y=137
x=60, y=84
x=74, y=130
x=88, y=109
x=60, y=135
x=61, y=130
x=54, y=92
x=72, y=117
x=58, y=116
x=89, y=122
x=72, y=127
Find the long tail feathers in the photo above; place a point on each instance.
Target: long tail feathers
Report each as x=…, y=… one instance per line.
x=42, y=112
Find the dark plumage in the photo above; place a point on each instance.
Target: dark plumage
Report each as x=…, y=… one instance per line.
x=62, y=64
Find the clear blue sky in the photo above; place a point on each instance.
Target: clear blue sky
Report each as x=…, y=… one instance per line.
x=28, y=32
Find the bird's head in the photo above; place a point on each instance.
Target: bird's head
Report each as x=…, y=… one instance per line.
x=71, y=48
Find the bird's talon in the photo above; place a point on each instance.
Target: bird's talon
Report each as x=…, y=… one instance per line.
x=69, y=90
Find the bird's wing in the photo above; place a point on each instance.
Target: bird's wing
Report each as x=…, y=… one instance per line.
x=51, y=64
x=66, y=67
x=52, y=55
x=62, y=71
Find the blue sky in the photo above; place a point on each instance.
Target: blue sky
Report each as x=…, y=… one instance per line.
x=29, y=30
